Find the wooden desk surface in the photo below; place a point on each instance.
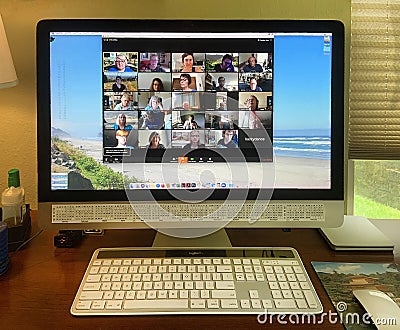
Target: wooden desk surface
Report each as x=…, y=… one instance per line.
x=38, y=289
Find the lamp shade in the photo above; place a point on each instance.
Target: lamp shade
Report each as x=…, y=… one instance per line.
x=8, y=77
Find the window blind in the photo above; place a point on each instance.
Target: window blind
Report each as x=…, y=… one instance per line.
x=374, y=127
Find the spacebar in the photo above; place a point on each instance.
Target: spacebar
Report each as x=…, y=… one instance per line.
x=156, y=304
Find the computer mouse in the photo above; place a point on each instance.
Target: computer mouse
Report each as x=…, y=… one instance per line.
x=384, y=312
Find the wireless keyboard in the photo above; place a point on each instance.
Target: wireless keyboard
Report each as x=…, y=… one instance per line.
x=138, y=281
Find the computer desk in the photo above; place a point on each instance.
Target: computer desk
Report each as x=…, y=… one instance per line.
x=38, y=289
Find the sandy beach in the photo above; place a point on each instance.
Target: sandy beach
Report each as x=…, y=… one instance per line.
x=286, y=172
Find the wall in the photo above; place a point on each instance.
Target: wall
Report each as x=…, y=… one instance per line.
x=18, y=104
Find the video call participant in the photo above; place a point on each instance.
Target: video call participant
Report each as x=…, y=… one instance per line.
x=252, y=103
x=253, y=86
x=188, y=62
x=154, y=141
x=125, y=103
x=153, y=66
x=120, y=123
x=190, y=123
x=184, y=81
x=219, y=124
x=156, y=85
x=118, y=86
x=221, y=107
x=186, y=105
x=155, y=103
x=221, y=85
x=249, y=119
x=225, y=65
x=227, y=140
x=194, y=141
x=120, y=64
x=122, y=136
x=252, y=65
x=152, y=121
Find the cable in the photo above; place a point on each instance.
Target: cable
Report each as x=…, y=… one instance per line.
x=27, y=241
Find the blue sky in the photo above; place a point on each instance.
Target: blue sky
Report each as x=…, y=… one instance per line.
x=76, y=85
x=302, y=83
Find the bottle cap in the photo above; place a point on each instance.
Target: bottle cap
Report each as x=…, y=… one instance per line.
x=13, y=178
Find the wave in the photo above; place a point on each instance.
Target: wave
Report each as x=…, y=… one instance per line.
x=302, y=138
x=322, y=143
x=317, y=147
x=301, y=150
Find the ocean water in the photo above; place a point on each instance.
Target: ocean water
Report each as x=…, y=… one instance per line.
x=316, y=147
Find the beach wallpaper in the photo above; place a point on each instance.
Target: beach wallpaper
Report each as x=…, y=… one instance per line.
x=301, y=115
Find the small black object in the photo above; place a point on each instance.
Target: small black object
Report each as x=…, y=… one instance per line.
x=18, y=234
x=68, y=238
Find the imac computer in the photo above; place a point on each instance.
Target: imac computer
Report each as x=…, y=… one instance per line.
x=190, y=127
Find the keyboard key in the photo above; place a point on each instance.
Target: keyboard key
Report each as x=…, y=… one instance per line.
x=119, y=295
x=255, y=303
x=288, y=269
x=108, y=295
x=253, y=294
x=301, y=277
x=141, y=295
x=93, y=278
x=285, y=303
x=224, y=285
x=245, y=303
x=172, y=304
x=91, y=295
x=310, y=298
x=224, y=269
x=276, y=294
x=81, y=305
x=204, y=294
x=212, y=303
x=91, y=287
x=106, y=286
x=287, y=294
x=297, y=294
x=130, y=295
x=240, y=277
x=250, y=277
x=221, y=294
x=197, y=303
x=229, y=303
x=227, y=276
x=267, y=303
x=94, y=270
x=260, y=277
x=301, y=303
x=98, y=304
x=216, y=261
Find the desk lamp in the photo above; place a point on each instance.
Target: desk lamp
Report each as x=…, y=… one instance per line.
x=8, y=77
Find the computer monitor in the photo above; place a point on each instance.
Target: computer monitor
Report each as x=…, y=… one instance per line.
x=190, y=126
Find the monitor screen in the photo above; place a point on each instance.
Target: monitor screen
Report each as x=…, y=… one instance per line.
x=188, y=113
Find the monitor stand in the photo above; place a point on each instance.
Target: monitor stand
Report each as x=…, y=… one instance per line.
x=217, y=239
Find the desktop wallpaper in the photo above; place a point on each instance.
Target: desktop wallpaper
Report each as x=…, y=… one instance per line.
x=301, y=115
